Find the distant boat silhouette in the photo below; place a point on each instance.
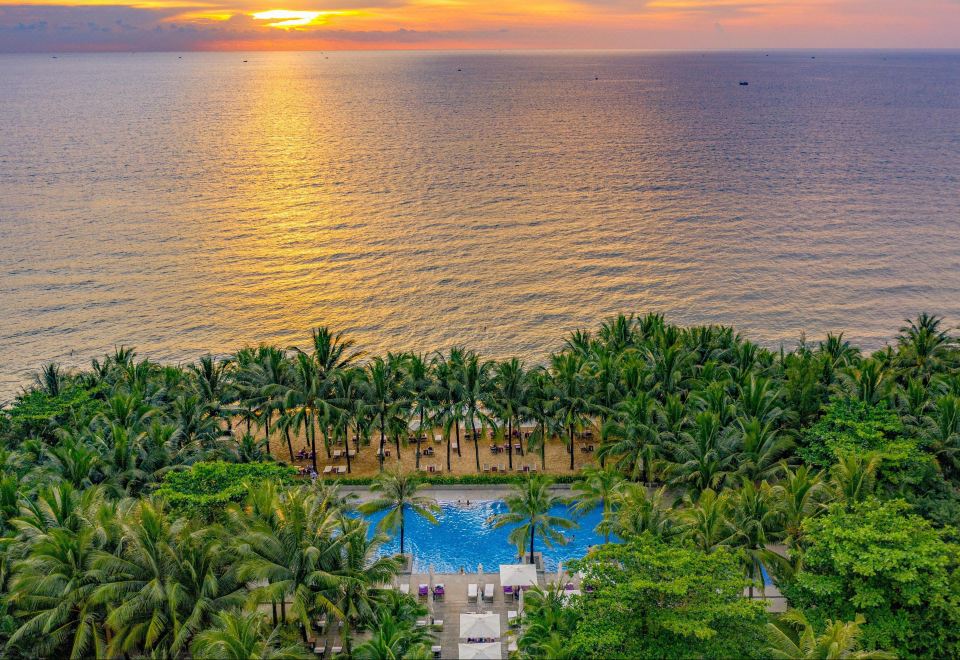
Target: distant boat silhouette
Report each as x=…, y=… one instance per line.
x=744, y=82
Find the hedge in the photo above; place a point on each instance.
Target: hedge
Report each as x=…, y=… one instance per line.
x=206, y=488
x=463, y=480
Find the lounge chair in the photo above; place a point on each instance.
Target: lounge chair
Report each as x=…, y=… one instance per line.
x=320, y=650
x=436, y=650
x=422, y=623
x=336, y=650
x=405, y=588
x=423, y=590
x=486, y=468
x=472, y=592
x=488, y=592
x=437, y=438
x=438, y=625
x=438, y=591
x=507, y=591
x=512, y=618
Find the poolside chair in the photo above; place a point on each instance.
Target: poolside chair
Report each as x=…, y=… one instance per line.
x=438, y=625
x=422, y=623
x=512, y=619
x=472, y=592
x=437, y=438
x=507, y=591
x=486, y=468
x=488, y=592
x=423, y=590
x=336, y=650
x=438, y=591
x=320, y=650
x=436, y=650
x=405, y=588
x=454, y=445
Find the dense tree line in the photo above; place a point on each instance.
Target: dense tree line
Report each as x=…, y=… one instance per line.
x=706, y=443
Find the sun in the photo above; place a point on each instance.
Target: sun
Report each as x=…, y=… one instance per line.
x=286, y=19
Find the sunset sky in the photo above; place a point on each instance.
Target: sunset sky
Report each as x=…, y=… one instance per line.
x=105, y=25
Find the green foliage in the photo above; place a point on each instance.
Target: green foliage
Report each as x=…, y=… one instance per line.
x=206, y=488
x=37, y=413
x=848, y=425
x=879, y=560
x=656, y=599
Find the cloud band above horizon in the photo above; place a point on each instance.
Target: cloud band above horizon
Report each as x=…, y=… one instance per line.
x=167, y=25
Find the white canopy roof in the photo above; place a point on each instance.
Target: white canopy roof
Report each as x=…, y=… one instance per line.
x=489, y=650
x=518, y=575
x=477, y=626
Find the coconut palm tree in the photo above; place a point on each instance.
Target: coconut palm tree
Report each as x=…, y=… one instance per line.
x=396, y=492
x=754, y=519
x=421, y=392
x=572, y=406
x=475, y=387
x=801, y=493
x=51, y=593
x=704, y=456
x=706, y=518
x=632, y=437
x=528, y=507
x=393, y=640
x=793, y=638
x=636, y=511
x=759, y=448
x=382, y=398
x=922, y=345
x=361, y=576
x=506, y=396
x=598, y=488
x=290, y=542
x=854, y=476
x=236, y=635
x=540, y=405
x=163, y=585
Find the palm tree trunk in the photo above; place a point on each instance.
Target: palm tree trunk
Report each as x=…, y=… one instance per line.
x=396, y=442
x=382, y=441
x=510, y=443
x=532, y=534
x=476, y=442
x=571, y=446
x=313, y=444
x=286, y=432
x=457, y=428
x=419, y=433
x=267, y=430
x=401, y=529
x=346, y=444
x=448, y=450
x=273, y=605
x=326, y=440
x=543, y=446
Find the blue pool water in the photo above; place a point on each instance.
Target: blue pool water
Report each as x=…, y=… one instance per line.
x=464, y=538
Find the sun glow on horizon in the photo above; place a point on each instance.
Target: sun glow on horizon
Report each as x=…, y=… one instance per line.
x=286, y=19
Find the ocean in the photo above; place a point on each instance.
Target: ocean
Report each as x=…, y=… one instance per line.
x=191, y=202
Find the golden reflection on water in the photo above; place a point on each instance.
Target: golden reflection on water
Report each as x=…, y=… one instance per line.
x=500, y=201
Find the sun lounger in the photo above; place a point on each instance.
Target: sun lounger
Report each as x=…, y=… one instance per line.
x=438, y=591
x=488, y=592
x=421, y=623
x=336, y=650
x=437, y=438
x=337, y=453
x=512, y=618
x=436, y=650
x=404, y=588
x=320, y=650
x=423, y=590
x=327, y=469
x=341, y=469
x=508, y=591
x=472, y=592
x=454, y=445
x=438, y=624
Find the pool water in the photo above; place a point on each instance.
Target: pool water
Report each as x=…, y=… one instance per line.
x=464, y=539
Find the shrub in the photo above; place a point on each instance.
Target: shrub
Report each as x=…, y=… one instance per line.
x=206, y=488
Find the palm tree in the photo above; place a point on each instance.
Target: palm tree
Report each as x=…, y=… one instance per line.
x=475, y=385
x=637, y=511
x=598, y=488
x=163, y=585
x=51, y=593
x=381, y=397
x=528, y=507
x=632, y=438
x=304, y=401
x=421, y=391
x=572, y=406
x=214, y=385
x=360, y=576
x=793, y=638
x=760, y=447
x=548, y=624
x=707, y=522
x=854, y=476
x=801, y=494
x=393, y=640
x=704, y=457
x=540, y=406
x=754, y=518
x=397, y=492
x=243, y=636
x=290, y=541
x=923, y=344
x=507, y=394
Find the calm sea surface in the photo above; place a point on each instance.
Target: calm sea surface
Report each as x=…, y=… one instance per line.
x=194, y=203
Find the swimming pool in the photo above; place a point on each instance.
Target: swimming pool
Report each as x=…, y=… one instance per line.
x=464, y=539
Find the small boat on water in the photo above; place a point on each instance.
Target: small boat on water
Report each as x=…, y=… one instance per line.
x=744, y=82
